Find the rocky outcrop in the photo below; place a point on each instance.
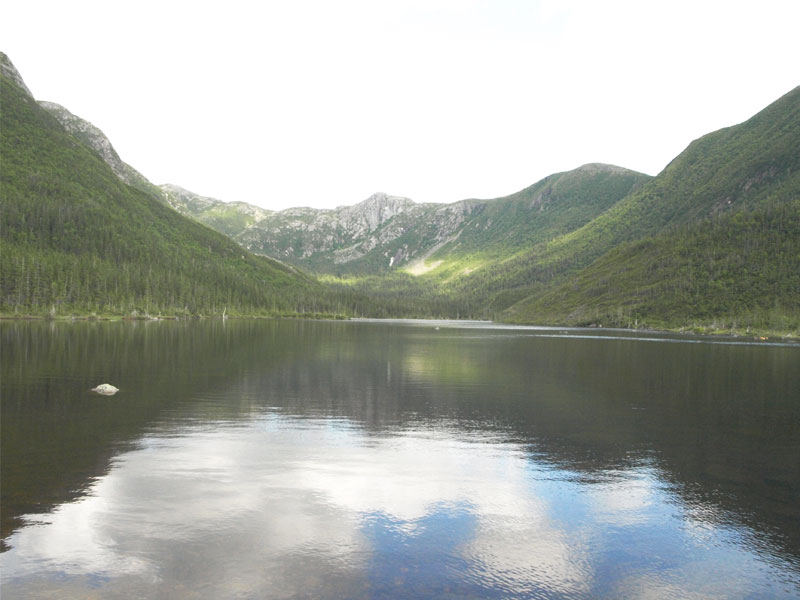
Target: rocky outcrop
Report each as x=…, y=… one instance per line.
x=8, y=69
x=90, y=135
x=387, y=230
x=366, y=216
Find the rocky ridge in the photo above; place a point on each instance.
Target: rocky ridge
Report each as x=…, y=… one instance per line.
x=384, y=232
x=7, y=69
x=93, y=137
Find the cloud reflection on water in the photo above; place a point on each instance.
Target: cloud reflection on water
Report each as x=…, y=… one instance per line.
x=282, y=499
x=285, y=507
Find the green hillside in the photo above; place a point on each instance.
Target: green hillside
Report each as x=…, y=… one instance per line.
x=472, y=272
x=712, y=242
x=738, y=271
x=740, y=167
x=715, y=239
x=76, y=239
x=557, y=204
x=509, y=226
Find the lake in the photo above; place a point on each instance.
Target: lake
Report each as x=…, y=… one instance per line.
x=396, y=459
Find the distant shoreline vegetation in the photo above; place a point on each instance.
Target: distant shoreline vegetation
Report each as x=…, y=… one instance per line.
x=165, y=317
x=714, y=329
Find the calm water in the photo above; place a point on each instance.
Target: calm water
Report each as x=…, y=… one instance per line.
x=281, y=459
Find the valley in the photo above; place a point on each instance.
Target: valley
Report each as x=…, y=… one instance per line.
x=711, y=243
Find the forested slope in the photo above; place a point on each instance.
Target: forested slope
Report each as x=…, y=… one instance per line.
x=741, y=270
x=712, y=241
x=714, y=238
x=75, y=238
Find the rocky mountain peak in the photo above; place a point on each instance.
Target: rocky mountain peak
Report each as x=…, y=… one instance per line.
x=8, y=69
x=375, y=210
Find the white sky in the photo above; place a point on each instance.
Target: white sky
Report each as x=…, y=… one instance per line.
x=322, y=103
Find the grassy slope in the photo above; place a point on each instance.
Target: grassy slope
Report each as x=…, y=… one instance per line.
x=226, y=219
x=715, y=237
x=497, y=229
x=553, y=206
x=489, y=267
x=77, y=239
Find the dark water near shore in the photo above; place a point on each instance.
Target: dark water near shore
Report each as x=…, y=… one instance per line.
x=296, y=459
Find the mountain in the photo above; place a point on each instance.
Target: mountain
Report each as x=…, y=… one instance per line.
x=84, y=132
x=76, y=238
x=714, y=238
x=558, y=204
x=711, y=243
x=388, y=233
x=368, y=237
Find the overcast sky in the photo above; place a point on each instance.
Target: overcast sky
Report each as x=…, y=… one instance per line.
x=322, y=103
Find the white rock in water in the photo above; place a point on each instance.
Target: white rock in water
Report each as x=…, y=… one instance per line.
x=106, y=389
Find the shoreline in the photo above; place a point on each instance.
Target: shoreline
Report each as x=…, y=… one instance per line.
x=148, y=318
x=751, y=333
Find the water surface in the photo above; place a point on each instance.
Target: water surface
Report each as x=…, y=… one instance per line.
x=290, y=459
